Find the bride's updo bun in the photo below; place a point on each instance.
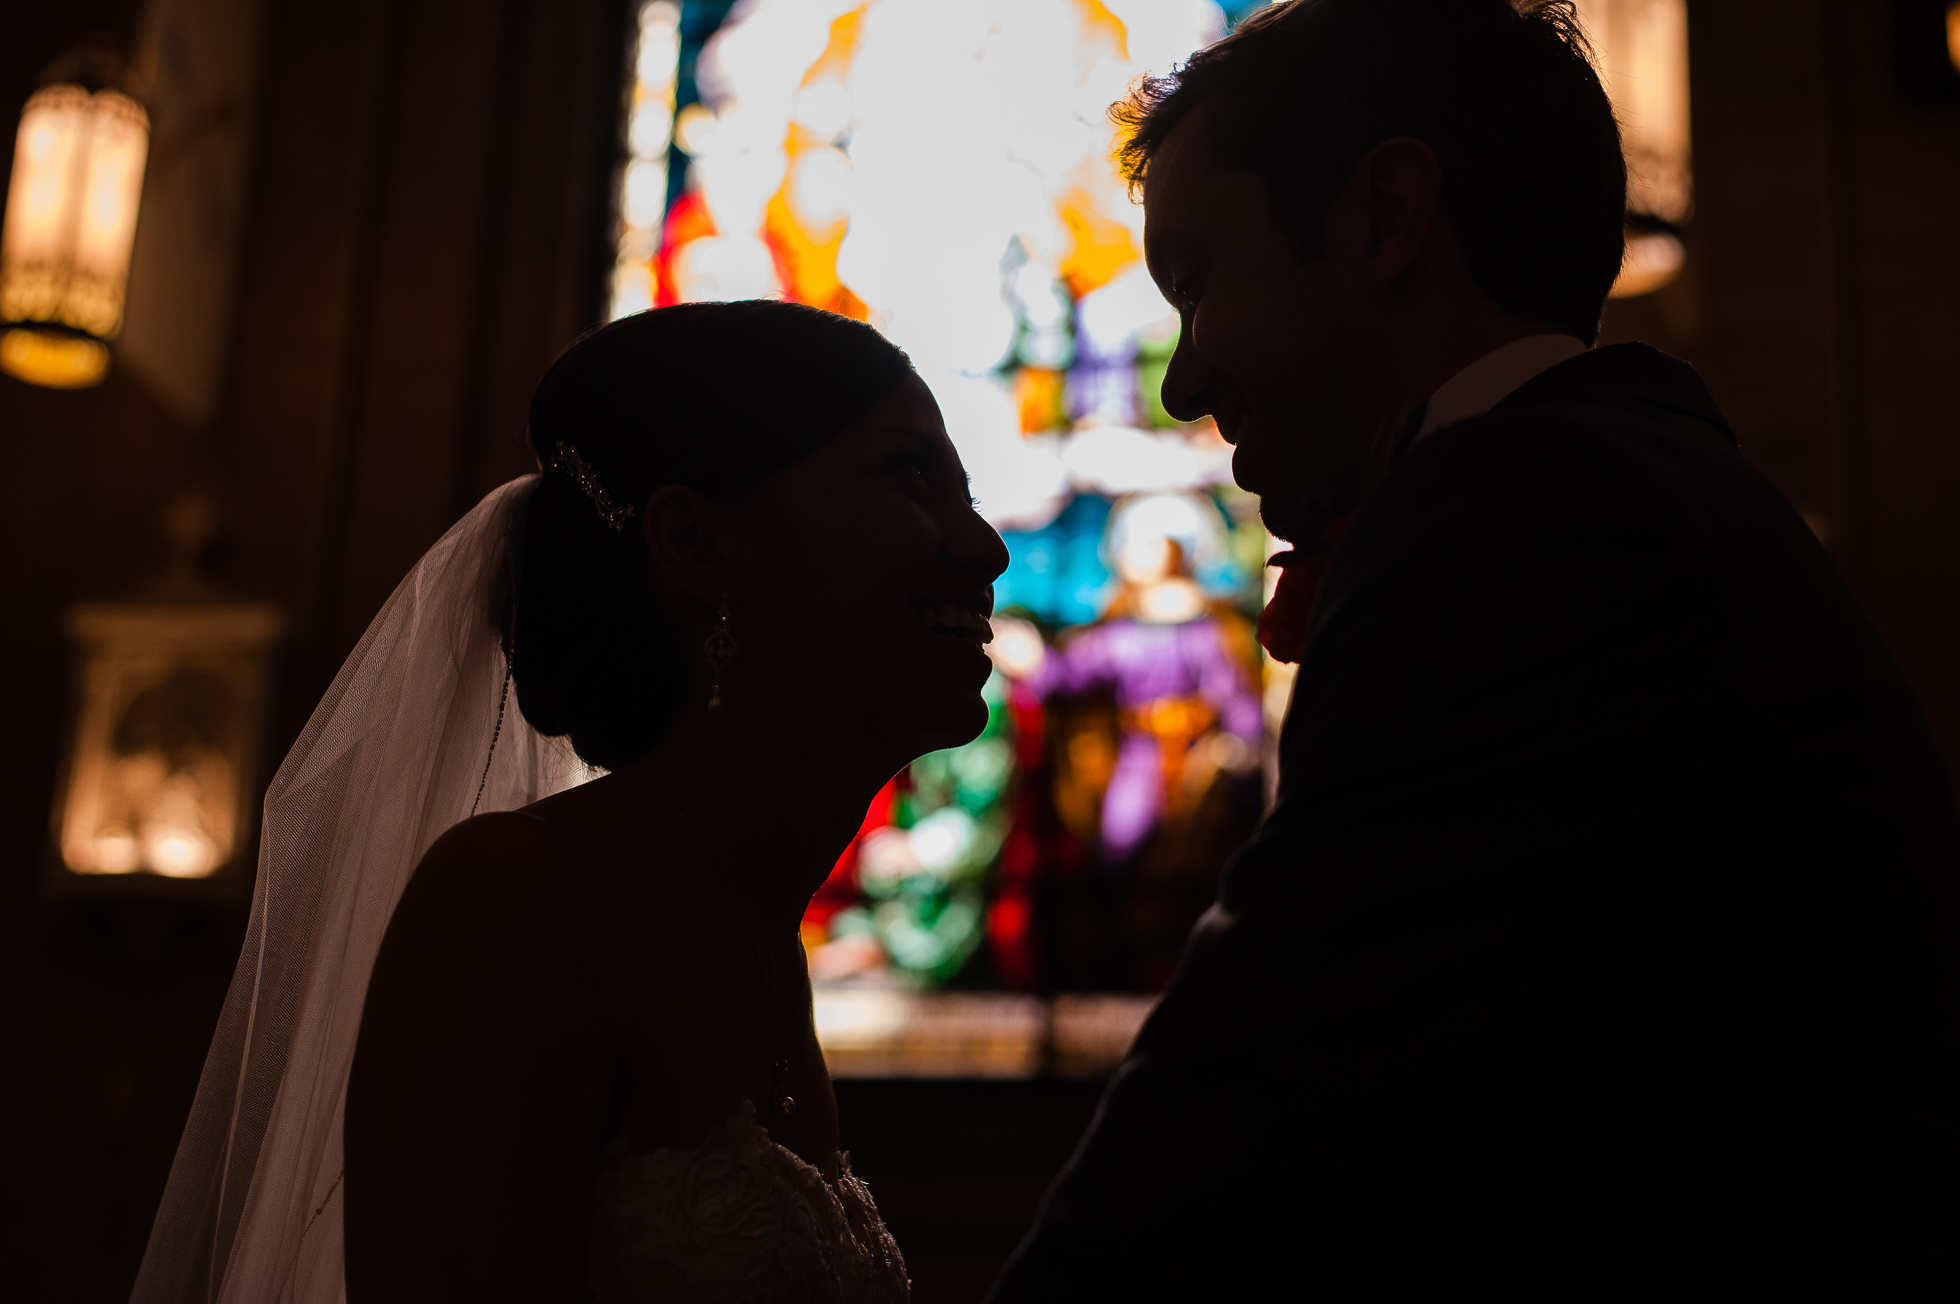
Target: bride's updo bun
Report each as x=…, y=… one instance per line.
x=714, y=396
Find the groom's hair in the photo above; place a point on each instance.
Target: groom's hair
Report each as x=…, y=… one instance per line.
x=1534, y=184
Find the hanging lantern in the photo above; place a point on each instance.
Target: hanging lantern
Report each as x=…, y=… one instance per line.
x=70, y=222
x=1642, y=49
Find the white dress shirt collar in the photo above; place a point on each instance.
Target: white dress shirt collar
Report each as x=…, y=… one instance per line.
x=1493, y=378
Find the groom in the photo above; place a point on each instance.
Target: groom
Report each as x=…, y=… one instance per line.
x=1602, y=941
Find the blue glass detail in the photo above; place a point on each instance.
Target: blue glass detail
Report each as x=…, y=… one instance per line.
x=700, y=19
x=1057, y=572
x=1236, y=10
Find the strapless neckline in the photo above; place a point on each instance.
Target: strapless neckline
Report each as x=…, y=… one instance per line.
x=738, y=1218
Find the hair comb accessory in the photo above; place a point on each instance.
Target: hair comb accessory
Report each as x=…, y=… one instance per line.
x=565, y=458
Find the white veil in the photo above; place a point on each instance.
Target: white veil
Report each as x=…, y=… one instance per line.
x=419, y=730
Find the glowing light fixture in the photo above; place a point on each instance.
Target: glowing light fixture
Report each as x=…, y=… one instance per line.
x=70, y=222
x=1953, y=34
x=161, y=750
x=1642, y=49
x=161, y=758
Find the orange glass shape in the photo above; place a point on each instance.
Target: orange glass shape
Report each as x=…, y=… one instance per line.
x=1038, y=398
x=1100, y=246
x=1101, y=34
x=806, y=266
x=806, y=250
x=838, y=55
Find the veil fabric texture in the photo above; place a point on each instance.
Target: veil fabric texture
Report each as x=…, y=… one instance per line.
x=419, y=731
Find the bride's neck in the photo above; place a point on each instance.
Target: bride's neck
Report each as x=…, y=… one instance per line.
x=774, y=808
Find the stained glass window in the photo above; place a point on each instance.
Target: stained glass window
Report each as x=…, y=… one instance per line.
x=945, y=172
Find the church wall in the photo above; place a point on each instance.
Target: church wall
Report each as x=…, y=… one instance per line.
x=1899, y=196
x=430, y=218
x=1816, y=301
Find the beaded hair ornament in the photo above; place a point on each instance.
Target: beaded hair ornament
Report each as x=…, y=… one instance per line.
x=565, y=458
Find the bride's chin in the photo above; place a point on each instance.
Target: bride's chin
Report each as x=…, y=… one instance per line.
x=936, y=696
x=932, y=722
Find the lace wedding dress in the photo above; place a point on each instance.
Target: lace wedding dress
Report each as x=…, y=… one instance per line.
x=738, y=1218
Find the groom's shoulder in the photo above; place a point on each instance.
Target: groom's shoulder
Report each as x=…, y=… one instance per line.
x=1627, y=411
x=1618, y=436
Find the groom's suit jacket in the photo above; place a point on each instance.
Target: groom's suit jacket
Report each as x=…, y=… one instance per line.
x=1602, y=940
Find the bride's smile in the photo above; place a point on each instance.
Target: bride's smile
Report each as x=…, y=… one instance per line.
x=965, y=621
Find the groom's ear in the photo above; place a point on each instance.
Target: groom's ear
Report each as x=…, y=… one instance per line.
x=1383, y=218
x=686, y=537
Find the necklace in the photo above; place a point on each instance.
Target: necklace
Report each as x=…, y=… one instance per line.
x=781, y=1103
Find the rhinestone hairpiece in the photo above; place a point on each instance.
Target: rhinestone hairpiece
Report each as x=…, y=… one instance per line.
x=565, y=458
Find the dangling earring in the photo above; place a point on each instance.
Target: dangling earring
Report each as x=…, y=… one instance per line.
x=720, y=649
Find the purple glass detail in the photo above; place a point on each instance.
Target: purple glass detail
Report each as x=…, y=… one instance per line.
x=1107, y=391
x=1145, y=664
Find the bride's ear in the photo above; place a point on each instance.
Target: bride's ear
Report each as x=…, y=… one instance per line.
x=686, y=535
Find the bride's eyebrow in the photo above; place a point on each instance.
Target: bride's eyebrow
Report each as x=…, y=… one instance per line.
x=921, y=441
x=931, y=449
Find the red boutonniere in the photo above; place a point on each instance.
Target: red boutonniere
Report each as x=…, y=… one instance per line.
x=1283, y=624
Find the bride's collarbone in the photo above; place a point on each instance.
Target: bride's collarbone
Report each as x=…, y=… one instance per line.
x=690, y=1079
x=707, y=1029
x=707, y=1008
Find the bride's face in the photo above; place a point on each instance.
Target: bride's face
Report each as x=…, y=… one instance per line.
x=872, y=582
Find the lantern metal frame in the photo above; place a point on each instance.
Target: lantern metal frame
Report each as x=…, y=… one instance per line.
x=70, y=223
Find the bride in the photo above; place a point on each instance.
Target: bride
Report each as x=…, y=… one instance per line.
x=748, y=586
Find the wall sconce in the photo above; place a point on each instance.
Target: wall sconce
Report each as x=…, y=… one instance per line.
x=162, y=749
x=1642, y=48
x=70, y=223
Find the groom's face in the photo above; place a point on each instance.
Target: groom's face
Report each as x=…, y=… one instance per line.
x=1269, y=347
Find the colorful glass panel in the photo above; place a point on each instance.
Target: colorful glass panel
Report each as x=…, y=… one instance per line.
x=946, y=173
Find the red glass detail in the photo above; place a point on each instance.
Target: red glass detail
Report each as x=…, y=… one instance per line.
x=840, y=888
x=688, y=219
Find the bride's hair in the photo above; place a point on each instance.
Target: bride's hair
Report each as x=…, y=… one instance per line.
x=714, y=396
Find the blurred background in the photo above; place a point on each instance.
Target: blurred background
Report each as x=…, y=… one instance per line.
x=277, y=277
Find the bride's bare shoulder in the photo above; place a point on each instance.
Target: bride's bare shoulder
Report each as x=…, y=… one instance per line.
x=501, y=891
x=509, y=849
x=516, y=839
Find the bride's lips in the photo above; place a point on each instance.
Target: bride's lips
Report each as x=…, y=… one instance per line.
x=955, y=619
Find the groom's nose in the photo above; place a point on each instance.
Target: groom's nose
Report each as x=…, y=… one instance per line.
x=1189, y=380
